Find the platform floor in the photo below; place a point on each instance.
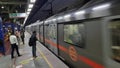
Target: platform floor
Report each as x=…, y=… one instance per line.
x=45, y=58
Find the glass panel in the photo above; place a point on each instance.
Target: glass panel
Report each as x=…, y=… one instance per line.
x=74, y=34
x=41, y=33
x=114, y=27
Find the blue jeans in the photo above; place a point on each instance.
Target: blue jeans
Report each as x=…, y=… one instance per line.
x=34, y=50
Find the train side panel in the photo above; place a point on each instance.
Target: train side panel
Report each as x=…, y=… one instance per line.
x=80, y=41
x=51, y=37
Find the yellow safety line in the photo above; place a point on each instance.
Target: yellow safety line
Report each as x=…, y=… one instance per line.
x=50, y=65
x=25, y=61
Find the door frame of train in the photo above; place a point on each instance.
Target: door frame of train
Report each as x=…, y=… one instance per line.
x=44, y=33
x=109, y=62
x=57, y=40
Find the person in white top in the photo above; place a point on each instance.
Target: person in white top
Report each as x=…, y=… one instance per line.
x=14, y=44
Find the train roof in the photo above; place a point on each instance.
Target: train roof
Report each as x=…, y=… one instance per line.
x=93, y=9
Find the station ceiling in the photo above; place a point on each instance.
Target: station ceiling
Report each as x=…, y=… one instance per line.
x=46, y=8
x=12, y=6
x=42, y=9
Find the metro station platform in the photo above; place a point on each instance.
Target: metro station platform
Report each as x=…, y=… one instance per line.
x=45, y=58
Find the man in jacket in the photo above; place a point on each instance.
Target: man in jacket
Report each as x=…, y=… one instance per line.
x=34, y=39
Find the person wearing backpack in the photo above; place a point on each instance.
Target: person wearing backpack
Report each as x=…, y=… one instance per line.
x=32, y=43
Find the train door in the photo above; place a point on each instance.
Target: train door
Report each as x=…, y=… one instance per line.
x=46, y=35
x=54, y=47
x=41, y=33
x=51, y=37
x=111, y=41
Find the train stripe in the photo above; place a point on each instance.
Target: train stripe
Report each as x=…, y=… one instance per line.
x=90, y=62
x=52, y=43
x=81, y=58
x=63, y=48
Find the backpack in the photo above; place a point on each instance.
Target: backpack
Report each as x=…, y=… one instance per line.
x=30, y=42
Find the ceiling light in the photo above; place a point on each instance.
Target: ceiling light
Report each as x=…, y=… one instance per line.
x=2, y=7
x=29, y=9
x=28, y=12
x=32, y=1
x=30, y=5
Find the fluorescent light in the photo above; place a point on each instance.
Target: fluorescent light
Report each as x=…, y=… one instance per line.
x=30, y=5
x=67, y=16
x=101, y=7
x=2, y=7
x=29, y=9
x=79, y=12
x=32, y=1
x=28, y=12
x=25, y=19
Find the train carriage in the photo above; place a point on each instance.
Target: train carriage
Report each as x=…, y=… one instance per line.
x=87, y=37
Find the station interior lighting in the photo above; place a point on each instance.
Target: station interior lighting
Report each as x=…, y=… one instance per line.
x=30, y=5
x=32, y=1
x=28, y=13
x=2, y=7
x=29, y=9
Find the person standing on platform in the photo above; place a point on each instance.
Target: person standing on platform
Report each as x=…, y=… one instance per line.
x=22, y=35
x=33, y=40
x=17, y=33
x=14, y=44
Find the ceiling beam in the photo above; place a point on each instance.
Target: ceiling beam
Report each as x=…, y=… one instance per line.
x=4, y=11
x=17, y=3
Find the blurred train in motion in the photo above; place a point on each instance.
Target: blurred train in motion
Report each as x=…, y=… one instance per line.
x=88, y=37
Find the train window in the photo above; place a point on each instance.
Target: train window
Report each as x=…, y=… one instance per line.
x=74, y=34
x=114, y=27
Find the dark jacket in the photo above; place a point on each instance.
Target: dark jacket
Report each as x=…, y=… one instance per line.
x=34, y=39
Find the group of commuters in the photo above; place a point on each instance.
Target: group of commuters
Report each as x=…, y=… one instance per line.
x=15, y=39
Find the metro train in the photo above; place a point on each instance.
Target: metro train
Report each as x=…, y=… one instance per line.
x=88, y=37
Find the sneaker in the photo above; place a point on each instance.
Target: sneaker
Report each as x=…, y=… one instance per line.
x=12, y=57
x=19, y=55
x=34, y=56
